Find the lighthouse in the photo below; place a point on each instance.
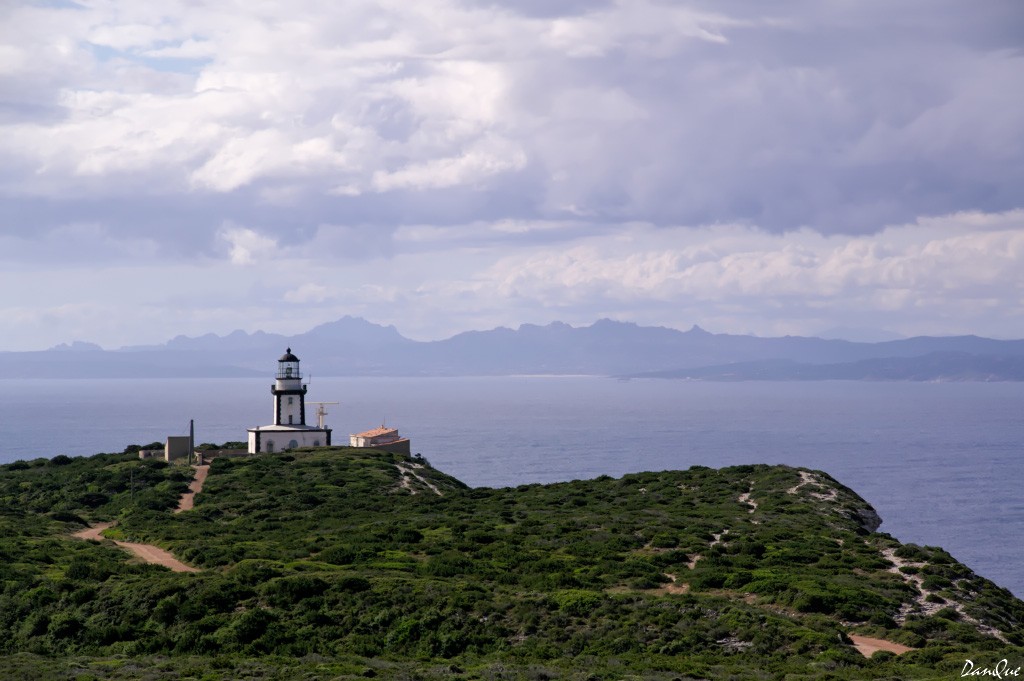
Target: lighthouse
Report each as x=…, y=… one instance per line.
x=289, y=393
x=289, y=429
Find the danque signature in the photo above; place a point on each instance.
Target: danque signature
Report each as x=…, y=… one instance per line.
x=1001, y=670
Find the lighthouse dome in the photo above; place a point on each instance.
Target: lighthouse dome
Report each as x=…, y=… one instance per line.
x=288, y=366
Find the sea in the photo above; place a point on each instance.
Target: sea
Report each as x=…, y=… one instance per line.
x=942, y=463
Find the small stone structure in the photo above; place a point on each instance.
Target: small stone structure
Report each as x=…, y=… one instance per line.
x=178, y=447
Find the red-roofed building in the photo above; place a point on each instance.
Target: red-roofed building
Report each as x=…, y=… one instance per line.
x=384, y=438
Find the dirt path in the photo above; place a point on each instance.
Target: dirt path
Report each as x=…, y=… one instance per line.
x=805, y=479
x=195, y=487
x=93, y=532
x=921, y=604
x=156, y=556
x=147, y=552
x=407, y=472
x=868, y=646
x=830, y=493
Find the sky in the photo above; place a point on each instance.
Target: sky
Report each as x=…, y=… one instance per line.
x=794, y=167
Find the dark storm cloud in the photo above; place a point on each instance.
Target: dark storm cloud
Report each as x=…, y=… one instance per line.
x=842, y=122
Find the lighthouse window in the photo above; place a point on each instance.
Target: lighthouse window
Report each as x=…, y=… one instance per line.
x=290, y=419
x=290, y=400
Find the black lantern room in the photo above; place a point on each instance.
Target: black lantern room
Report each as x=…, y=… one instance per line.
x=288, y=366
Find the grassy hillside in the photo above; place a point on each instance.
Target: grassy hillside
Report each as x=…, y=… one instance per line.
x=349, y=563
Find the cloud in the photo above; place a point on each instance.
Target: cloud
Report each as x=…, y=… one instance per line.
x=644, y=27
x=489, y=157
x=518, y=161
x=667, y=113
x=919, y=270
x=307, y=293
x=75, y=245
x=187, y=49
x=246, y=246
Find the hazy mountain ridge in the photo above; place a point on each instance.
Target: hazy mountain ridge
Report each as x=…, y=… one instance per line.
x=354, y=346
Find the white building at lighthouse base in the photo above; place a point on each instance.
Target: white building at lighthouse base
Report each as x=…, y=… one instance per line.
x=270, y=439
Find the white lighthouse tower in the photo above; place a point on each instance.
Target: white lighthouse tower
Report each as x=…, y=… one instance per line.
x=289, y=429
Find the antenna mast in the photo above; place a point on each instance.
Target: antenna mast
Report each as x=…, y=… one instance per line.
x=321, y=412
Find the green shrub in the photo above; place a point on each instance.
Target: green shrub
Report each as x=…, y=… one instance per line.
x=338, y=555
x=448, y=564
x=285, y=591
x=665, y=540
x=251, y=625
x=577, y=602
x=252, y=572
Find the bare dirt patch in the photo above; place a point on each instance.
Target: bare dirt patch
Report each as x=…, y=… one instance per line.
x=746, y=500
x=409, y=473
x=673, y=587
x=868, y=646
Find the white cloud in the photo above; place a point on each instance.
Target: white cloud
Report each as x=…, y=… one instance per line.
x=461, y=94
x=128, y=36
x=246, y=246
x=486, y=158
x=12, y=59
x=265, y=152
x=307, y=293
x=187, y=49
x=643, y=26
x=908, y=268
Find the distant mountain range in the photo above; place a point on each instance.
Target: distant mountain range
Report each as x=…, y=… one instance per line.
x=355, y=347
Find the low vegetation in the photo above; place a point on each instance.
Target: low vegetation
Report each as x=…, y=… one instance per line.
x=344, y=563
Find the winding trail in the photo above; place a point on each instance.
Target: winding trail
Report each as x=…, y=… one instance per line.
x=147, y=552
x=187, y=500
x=806, y=478
x=746, y=500
x=93, y=532
x=408, y=472
x=921, y=604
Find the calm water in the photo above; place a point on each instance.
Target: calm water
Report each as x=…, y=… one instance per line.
x=940, y=462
